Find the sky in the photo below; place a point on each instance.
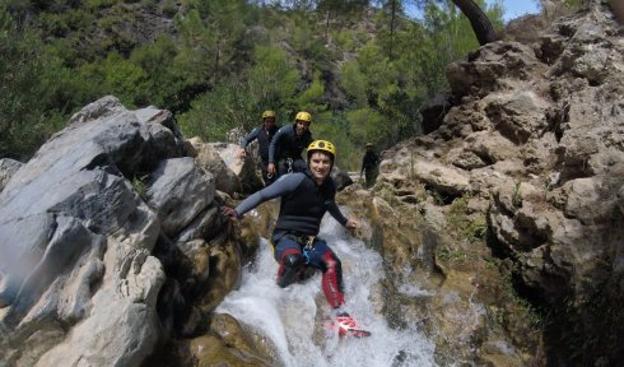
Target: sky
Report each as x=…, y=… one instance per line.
x=516, y=8
x=513, y=8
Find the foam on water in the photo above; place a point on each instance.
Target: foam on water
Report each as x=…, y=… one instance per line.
x=288, y=317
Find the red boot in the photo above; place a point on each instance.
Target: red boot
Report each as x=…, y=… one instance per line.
x=347, y=326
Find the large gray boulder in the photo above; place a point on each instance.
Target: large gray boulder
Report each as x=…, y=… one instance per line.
x=243, y=168
x=8, y=167
x=491, y=67
x=78, y=281
x=232, y=173
x=208, y=158
x=179, y=192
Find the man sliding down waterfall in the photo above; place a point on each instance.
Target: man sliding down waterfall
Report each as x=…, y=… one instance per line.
x=306, y=196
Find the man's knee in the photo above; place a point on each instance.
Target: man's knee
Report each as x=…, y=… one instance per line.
x=331, y=261
x=293, y=260
x=290, y=266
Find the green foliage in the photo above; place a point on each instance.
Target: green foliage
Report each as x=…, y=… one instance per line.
x=345, y=40
x=311, y=99
x=516, y=197
x=470, y=227
x=95, y=4
x=381, y=74
x=216, y=72
x=139, y=185
x=211, y=31
x=125, y=80
x=450, y=255
x=271, y=83
x=367, y=126
x=120, y=77
x=307, y=41
x=169, y=8
x=163, y=83
x=335, y=128
x=354, y=83
x=574, y=4
x=27, y=115
x=213, y=114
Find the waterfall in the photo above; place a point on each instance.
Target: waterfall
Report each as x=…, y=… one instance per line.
x=293, y=317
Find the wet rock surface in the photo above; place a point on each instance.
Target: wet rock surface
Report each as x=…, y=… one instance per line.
x=537, y=133
x=111, y=244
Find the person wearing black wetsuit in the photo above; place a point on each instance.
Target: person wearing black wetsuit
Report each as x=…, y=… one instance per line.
x=264, y=134
x=288, y=144
x=370, y=165
x=305, y=197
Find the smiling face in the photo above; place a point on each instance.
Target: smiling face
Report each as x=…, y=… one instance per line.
x=269, y=122
x=320, y=165
x=301, y=127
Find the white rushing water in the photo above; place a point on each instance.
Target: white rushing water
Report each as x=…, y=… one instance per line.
x=292, y=317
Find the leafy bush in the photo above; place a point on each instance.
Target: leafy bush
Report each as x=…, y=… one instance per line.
x=368, y=126
x=335, y=128
x=27, y=117
x=227, y=62
x=353, y=82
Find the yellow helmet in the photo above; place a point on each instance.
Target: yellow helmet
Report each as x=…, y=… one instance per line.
x=303, y=116
x=268, y=113
x=323, y=146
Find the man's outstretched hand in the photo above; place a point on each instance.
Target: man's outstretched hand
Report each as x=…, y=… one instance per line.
x=229, y=212
x=271, y=168
x=352, y=224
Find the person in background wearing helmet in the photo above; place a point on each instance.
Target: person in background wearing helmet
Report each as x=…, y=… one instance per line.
x=264, y=134
x=369, y=165
x=305, y=197
x=288, y=144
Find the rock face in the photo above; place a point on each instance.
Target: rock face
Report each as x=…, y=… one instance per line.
x=93, y=226
x=232, y=173
x=538, y=133
x=8, y=167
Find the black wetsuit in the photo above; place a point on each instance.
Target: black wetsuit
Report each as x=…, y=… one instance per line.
x=369, y=167
x=286, y=148
x=264, y=137
x=303, y=205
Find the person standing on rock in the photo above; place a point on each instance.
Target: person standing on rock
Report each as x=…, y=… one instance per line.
x=305, y=197
x=370, y=165
x=288, y=144
x=264, y=134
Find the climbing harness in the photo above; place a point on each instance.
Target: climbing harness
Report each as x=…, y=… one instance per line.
x=308, y=247
x=289, y=163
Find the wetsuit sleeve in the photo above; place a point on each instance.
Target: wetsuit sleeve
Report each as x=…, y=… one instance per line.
x=336, y=213
x=284, y=185
x=310, y=140
x=363, y=164
x=250, y=137
x=274, y=142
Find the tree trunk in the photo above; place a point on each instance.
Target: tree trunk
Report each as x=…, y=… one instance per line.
x=481, y=25
x=215, y=75
x=392, y=25
x=327, y=18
